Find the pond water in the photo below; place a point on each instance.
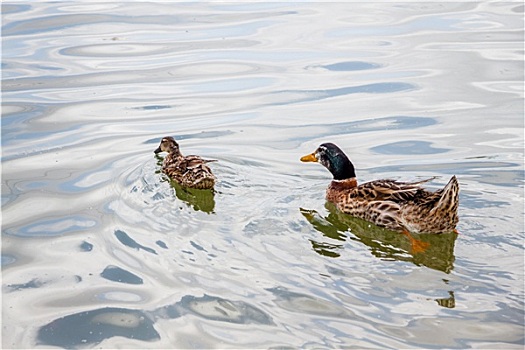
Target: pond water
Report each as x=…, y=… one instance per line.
x=100, y=250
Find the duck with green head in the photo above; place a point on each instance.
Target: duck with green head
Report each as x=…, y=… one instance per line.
x=395, y=205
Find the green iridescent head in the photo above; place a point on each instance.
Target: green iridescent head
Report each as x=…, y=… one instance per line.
x=333, y=159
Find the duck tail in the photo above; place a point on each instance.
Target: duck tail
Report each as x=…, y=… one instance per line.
x=449, y=198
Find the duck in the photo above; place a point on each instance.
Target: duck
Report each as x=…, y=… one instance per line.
x=188, y=171
x=394, y=205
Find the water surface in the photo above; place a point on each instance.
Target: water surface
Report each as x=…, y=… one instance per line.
x=99, y=249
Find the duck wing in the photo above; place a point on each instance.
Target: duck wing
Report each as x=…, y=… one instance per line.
x=392, y=190
x=194, y=161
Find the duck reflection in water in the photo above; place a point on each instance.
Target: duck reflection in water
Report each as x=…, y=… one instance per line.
x=198, y=199
x=337, y=227
x=405, y=207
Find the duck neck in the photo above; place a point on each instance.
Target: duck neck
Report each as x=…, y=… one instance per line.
x=175, y=152
x=337, y=187
x=341, y=168
x=343, y=184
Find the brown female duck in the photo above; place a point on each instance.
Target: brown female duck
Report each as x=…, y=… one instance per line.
x=189, y=171
x=395, y=205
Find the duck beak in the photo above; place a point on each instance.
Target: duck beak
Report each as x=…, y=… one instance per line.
x=309, y=158
x=157, y=151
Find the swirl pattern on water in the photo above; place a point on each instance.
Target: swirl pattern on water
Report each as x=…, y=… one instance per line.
x=99, y=249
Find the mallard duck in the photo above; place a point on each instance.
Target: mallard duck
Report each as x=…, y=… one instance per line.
x=188, y=171
x=395, y=205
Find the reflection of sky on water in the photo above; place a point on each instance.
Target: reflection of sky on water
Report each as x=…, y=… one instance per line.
x=92, y=327
x=426, y=23
x=408, y=147
x=350, y=66
x=100, y=249
x=314, y=95
x=53, y=227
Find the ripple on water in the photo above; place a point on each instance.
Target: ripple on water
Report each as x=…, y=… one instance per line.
x=127, y=49
x=94, y=326
x=54, y=227
x=351, y=66
x=100, y=249
x=408, y=148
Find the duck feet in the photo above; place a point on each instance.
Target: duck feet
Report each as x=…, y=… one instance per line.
x=417, y=246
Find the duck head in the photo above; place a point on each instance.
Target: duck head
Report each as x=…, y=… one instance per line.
x=168, y=144
x=333, y=159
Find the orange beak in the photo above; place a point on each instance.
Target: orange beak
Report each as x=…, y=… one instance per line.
x=309, y=158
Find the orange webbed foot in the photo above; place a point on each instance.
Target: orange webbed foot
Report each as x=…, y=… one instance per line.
x=417, y=246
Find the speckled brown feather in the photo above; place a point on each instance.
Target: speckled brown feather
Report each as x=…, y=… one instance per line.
x=189, y=171
x=398, y=206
